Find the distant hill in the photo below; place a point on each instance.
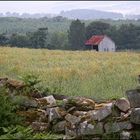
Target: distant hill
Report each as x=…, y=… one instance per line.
x=87, y=14
x=132, y=17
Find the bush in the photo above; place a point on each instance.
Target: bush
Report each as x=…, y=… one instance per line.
x=8, y=114
x=20, y=132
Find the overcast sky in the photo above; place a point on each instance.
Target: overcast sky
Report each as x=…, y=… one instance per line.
x=125, y=7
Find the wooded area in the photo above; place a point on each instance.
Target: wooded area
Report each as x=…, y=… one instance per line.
x=64, y=34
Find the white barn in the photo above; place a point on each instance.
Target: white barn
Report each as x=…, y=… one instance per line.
x=100, y=43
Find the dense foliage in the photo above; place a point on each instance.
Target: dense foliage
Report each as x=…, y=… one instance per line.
x=64, y=34
x=76, y=35
x=7, y=110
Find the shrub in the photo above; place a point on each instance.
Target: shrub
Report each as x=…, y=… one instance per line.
x=8, y=114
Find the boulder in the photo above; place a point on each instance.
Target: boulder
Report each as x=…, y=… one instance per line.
x=59, y=127
x=123, y=104
x=72, y=119
x=112, y=127
x=134, y=98
x=90, y=129
x=55, y=113
x=70, y=132
x=125, y=116
x=104, y=112
x=15, y=84
x=135, y=116
x=45, y=102
x=24, y=101
x=124, y=135
x=40, y=126
x=81, y=103
x=34, y=115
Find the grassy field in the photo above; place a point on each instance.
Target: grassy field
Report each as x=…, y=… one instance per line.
x=76, y=73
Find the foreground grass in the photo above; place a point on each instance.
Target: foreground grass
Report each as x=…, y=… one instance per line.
x=76, y=73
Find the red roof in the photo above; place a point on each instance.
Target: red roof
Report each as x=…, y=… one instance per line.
x=94, y=40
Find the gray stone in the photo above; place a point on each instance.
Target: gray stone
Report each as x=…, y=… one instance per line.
x=125, y=116
x=104, y=112
x=79, y=113
x=54, y=113
x=134, y=98
x=125, y=125
x=59, y=127
x=112, y=127
x=123, y=104
x=124, y=135
x=48, y=101
x=135, y=116
x=24, y=101
x=70, y=132
x=90, y=129
x=81, y=103
x=72, y=119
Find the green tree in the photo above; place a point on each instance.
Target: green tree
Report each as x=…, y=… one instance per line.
x=38, y=39
x=76, y=35
x=129, y=36
x=97, y=28
x=19, y=40
x=58, y=40
x=3, y=39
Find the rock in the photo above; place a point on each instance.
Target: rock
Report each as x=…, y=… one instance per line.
x=112, y=127
x=134, y=98
x=124, y=135
x=40, y=126
x=81, y=103
x=34, y=115
x=72, y=119
x=102, y=113
x=125, y=125
x=24, y=101
x=43, y=116
x=59, y=127
x=79, y=113
x=70, y=132
x=55, y=113
x=123, y=104
x=90, y=129
x=125, y=116
x=15, y=84
x=135, y=116
x=48, y=101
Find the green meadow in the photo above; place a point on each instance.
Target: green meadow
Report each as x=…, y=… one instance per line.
x=92, y=74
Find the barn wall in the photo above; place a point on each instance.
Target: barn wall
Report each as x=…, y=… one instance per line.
x=107, y=45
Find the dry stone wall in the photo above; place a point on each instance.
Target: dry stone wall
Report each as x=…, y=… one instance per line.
x=80, y=117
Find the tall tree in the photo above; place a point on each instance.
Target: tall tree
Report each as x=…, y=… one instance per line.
x=38, y=39
x=76, y=35
x=97, y=27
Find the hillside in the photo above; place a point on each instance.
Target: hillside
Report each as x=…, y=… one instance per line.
x=19, y=25
x=87, y=14
x=78, y=73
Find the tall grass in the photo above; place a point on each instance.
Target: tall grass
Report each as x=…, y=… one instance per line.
x=78, y=73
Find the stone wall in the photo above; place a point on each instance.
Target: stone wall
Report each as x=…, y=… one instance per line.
x=80, y=117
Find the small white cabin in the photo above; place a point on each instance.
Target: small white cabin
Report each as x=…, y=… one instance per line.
x=101, y=43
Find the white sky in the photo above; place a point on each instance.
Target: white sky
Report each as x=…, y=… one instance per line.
x=125, y=7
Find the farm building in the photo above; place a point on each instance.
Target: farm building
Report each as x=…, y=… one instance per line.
x=100, y=43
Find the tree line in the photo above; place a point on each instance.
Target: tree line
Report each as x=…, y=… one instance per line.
x=126, y=36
